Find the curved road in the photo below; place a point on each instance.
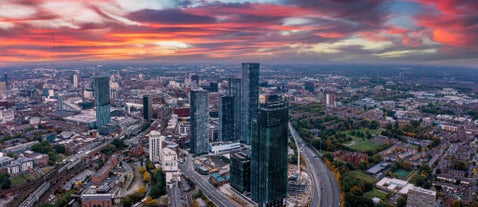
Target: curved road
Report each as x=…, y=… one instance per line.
x=326, y=189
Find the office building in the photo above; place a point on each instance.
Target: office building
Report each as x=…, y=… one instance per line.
x=147, y=108
x=155, y=146
x=74, y=80
x=195, y=81
x=249, y=98
x=269, y=154
x=419, y=197
x=226, y=118
x=199, y=113
x=102, y=100
x=235, y=91
x=213, y=87
x=3, y=88
x=240, y=171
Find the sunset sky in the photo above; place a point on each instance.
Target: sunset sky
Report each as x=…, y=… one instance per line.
x=293, y=31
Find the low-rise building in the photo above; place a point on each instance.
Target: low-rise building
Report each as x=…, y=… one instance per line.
x=97, y=200
x=419, y=197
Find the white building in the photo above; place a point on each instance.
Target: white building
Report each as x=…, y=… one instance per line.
x=20, y=165
x=169, y=164
x=419, y=197
x=155, y=146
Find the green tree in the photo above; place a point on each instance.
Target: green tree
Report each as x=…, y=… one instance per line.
x=5, y=181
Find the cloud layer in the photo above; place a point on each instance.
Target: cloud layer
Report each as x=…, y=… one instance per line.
x=273, y=31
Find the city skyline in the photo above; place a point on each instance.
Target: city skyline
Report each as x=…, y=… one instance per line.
x=268, y=31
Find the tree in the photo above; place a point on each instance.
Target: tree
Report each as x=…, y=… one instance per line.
x=356, y=190
x=456, y=203
x=59, y=148
x=142, y=169
x=402, y=201
x=146, y=177
x=141, y=190
x=5, y=181
x=362, y=165
x=126, y=201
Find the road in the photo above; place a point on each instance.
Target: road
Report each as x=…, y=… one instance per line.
x=207, y=188
x=326, y=190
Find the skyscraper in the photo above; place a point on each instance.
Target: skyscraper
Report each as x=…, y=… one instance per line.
x=74, y=80
x=269, y=154
x=199, y=121
x=147, y=108
x=102, y=100
x=226, y=118
x=419, y=197
x=7, y=82
x=155, y=146
x=249, y=98
x=240, y=171
x=235, y=91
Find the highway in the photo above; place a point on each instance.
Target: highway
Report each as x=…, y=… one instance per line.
x=207, y=188
x=326, y=190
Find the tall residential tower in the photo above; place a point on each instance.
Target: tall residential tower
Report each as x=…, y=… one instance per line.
x=250, y=99
x=269, y=154
x=102, y=100
x=199, y=121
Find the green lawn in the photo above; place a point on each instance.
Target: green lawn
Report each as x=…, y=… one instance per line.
x=362, y=176
x=375, y=193
x=365, y=146
x=18, y=180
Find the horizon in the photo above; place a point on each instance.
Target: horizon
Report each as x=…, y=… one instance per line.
x=408, y=32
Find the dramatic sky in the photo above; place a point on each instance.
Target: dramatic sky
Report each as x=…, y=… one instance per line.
x=294, y=31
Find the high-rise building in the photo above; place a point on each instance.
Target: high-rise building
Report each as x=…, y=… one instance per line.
x=226, y=118
x=155, y=146
x=74, y=80
x=195, y=81
x=269, y=154
x=213, y=87
x=147, y=108
x=102, y=100
x=3, y=88
x=240, y=172
x=249, y=98
x=7, y=82
x=199, y=139
x=235, y=91
x=419, y=197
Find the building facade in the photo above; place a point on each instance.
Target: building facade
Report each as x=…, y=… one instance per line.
x=97, y=200
x=199, y=139
x=102, y=100
x=240, y=172
x=155, y=146
x=269, y=154
x=419, y=197
x=74, y=80
x=169, y=164
x=249, y=99
x=147, y=108
x=235, y=91
x=226, y=118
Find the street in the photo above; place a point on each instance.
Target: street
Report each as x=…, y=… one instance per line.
x=327, y=191
x=207, y=188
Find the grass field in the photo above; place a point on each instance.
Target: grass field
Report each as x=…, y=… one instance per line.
x=18, y=180
x=365, y=146
x=375, y=193
x=362, y=176
x=402, y=174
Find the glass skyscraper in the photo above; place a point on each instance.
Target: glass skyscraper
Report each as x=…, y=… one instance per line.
x=235, y=91
x=269, y=154
x=250, y=99
x=226, y=118
x=199, y=140
x=102, y=100
x=147, y=108
x=240, y=171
